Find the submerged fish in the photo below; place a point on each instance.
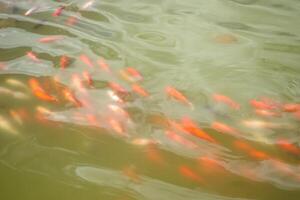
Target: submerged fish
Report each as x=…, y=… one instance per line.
x=6, y=126
x=174, y=93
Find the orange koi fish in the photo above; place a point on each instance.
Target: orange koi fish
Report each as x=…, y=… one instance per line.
x=154, y=155
x=32, y=56
x=262, y=105
x=103, y=65
x=139, y=90
x=223, y=128
x=292, y=107
x=49, y=39
x=71, y=21
x=71, y=98
x=226, y=100
x=181, y=140
x=64, y=61
x=192, y=128
x=174, y=93
x=116, y=126
x=136, y=75
x=259, y=155
x=86, y=60
x=117, y=88
x=210, y=164
x=287, y=146
x=58, y=11
x=92, y=119
x=187, y=172
x=87, y=76
x=39, y=92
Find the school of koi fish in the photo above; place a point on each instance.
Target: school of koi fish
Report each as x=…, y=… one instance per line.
x=106, y=105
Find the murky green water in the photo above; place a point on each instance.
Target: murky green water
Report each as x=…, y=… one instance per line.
x=91, y=145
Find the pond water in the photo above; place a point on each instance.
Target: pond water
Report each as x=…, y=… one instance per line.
x=150, y=99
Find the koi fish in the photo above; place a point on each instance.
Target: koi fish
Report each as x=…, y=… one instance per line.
x=143, y=141
x=58, y=11
x=64, y=61
x=117, y=88
x=86, y=60
x=223, y=128
x=49, y=39
x=210, y=164
x=71, y=97
x=32, y=56
x=252, y=152
x=139, y=90
x=174, y=93
x=71, y=21
x=16, y=116
x=7, y=127
x=132, y=74
x=154, y=155
x=88, y=4
x=103, y=65
x=292, y=107
x=92, y=119
x=267, y=113
x=16, y=83
x=132, y=174
x=226, y=100
x=181, y=140
x=262, y=105
x=117, y=109
x=87, y=76
x=187, y=172
x=257, y=124
x=114, y=96
x=116, y=126
x=192, y=128
x=31, y=10
x=287, y=146
x=77, y=83
x=39, y=92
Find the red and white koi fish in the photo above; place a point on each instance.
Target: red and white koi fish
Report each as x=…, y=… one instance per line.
x=143, y=141
x=192, y=128
x=174, y=93
x=117, y=126
x=114, y=96
x=32, y=56
x=58, y=11
x=223, y=128
x=77, y=83
x=226, y=100
x=131, y=74
x=267, y=113
x=86, y=60
x=132, y=174
x=64, y=61
x=49, y=39
x=71, y=98
x=139, y=90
